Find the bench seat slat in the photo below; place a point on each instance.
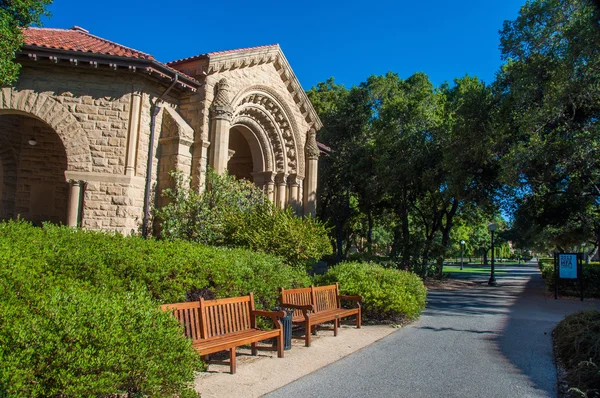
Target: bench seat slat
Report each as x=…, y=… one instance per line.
x=205, y=347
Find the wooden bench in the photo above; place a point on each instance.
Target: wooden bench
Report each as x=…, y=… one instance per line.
x=225, y=324
x=316, y=305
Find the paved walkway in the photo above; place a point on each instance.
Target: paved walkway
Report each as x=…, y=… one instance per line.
x=475, y=342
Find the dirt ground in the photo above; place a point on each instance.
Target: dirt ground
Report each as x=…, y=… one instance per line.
x=258, y=375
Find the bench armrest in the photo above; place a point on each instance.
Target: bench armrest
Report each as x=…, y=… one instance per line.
x=351, y=298
x=307, y=307
x=274, y=315
x=356, y=299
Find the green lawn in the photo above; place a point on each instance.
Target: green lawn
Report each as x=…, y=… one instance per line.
x=472, y=270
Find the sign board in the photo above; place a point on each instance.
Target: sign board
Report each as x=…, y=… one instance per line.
x=567, y=266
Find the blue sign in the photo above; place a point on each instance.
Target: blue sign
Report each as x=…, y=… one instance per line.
x=567, y=266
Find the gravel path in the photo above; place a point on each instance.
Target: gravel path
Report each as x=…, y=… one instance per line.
x=476, y=341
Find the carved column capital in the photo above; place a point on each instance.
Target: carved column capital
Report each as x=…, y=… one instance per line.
x=281, y=179
x=293, y=180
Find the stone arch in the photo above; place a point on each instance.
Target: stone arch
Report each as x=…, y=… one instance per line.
x=258, y=141
x=256, y=100
x=266, y=127
x=58, y=117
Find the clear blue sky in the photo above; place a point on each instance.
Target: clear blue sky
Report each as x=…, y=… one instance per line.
x=349, y=40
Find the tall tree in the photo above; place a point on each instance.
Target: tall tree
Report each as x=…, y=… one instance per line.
x=549, y=91
x=345, y=114
x=16, y=15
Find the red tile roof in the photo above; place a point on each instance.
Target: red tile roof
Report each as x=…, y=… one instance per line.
x=78, y=39
x=215, y=53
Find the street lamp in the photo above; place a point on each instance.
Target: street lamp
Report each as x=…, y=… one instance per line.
x=492, y=281
x=462, y=253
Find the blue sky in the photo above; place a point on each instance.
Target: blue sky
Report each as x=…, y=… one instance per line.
x=349, y=40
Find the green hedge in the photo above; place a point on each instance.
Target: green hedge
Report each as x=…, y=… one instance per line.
x=576, y=340
x=591, y=279
x=388, y=293
x=79, y=310
x=172, y=271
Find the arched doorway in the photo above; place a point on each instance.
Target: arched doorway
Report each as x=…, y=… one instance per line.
x=246, y=154
x=34, y=161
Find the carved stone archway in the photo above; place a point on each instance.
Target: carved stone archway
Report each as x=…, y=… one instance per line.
x=58, y=117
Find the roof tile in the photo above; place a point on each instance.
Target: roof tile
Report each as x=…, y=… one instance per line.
x=78, y=39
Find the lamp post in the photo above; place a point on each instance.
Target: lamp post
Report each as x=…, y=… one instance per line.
x=462, y=253
x=492, y=281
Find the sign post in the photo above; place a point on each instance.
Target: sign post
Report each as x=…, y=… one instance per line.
x=568, y=266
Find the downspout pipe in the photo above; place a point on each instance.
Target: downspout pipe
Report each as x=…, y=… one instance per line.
x=154, y=110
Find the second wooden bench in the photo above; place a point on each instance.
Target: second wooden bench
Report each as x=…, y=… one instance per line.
x=316, y=305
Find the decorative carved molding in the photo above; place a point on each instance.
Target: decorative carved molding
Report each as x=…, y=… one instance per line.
x=222, y=94
x=278, y=122
x=311, y=149
x=266, y=124
x=219, y=112
x=275, y=56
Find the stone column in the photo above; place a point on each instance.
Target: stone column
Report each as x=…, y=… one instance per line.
x=280, y=181
x=132, y=139
x=293, y=183
x=312, y=164
x=221, y=113
x=74, y=202
x=264, y=180
x=200, y=149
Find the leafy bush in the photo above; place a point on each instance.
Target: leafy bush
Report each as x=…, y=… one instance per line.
x=591, y=279
x=387, y=293
x=171, y=271
x=63, y=337
x=79, y=310
x=238, y=214
x=576, y=340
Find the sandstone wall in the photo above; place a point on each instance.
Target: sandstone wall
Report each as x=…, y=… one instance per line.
x=101, y=104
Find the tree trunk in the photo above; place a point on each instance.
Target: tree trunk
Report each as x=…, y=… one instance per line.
x=339, y=241
x=370, y=232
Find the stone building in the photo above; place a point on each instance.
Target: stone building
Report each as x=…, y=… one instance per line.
x=79, y=127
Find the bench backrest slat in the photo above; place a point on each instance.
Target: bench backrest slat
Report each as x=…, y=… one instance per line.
x=188, y=314
x=226, y=316
x=300, y=296
x=204, y=319
x=326, y=297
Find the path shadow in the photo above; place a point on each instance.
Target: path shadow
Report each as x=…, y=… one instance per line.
x=529, y=314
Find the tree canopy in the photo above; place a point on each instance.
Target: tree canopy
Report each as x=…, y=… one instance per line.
x=16, y=15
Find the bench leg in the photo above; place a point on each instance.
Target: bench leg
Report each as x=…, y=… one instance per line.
x=307, y=335
x=254, y=350
x=279, y=341
x=232, y=361
x=335, y=327
x=358, y=320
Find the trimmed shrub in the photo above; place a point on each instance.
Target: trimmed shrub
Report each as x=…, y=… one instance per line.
x=62, y=337
x=591, y=279
x=238, y=214
x=388, y=293
x=576, y=339
x=171, y=271
x=79, y=310
x=76, y=341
